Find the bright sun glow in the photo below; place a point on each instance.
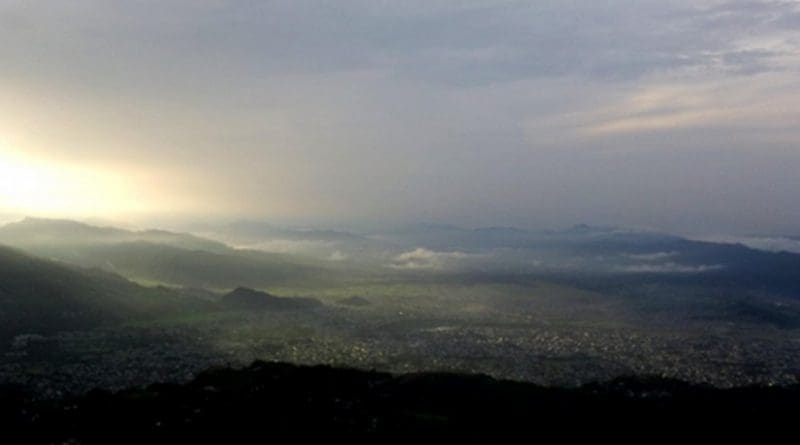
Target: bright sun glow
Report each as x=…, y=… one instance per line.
x=36, y=187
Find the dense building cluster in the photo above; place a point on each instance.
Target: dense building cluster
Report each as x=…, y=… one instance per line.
x=518, y=348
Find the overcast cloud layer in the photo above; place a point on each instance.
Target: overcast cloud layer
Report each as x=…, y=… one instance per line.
x=677, y=115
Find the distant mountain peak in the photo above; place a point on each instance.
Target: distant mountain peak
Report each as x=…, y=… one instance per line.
x=50, y=232
x=586, y=228
x=505, y=229
x=39, y=221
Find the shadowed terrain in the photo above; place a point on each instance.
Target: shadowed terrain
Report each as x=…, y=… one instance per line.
x=273, y=400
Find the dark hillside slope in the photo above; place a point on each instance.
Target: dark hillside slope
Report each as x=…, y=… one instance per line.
x=243, y=298
x=40, y=296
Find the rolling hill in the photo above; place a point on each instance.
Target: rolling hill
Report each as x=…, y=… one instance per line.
x=40, y=297
x=243, y=298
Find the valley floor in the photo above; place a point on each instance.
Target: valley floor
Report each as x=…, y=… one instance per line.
x=520, y=334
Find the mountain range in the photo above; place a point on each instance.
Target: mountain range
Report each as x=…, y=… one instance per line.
x=159, y=257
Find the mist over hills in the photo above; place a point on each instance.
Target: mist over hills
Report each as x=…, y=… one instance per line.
x=158, y=256
x=160, y=263
x=326, y=244
x=555, y=307
x=602, y=257
x=255, y=231
x=43, y=233
x=599, y=257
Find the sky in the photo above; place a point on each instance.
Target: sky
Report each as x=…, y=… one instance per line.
x=681, y=116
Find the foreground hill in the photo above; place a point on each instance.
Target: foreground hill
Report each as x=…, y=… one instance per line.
x=38, y=296
x=268, y=399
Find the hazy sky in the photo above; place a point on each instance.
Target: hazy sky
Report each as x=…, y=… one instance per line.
x=678, y=115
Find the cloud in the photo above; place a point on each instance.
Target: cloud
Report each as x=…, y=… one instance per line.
x=670, y=268
x=290, y=246
x=731, y=103
x=767, y=243
x=527, y=261
x=654, y=256
x=421, y=258
x=478, y=112
x=338, y=255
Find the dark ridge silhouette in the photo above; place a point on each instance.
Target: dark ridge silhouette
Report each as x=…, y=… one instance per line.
x=243, y=298
x=267, y=399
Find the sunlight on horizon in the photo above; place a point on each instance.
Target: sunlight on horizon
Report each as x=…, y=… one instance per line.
x=40, y=188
